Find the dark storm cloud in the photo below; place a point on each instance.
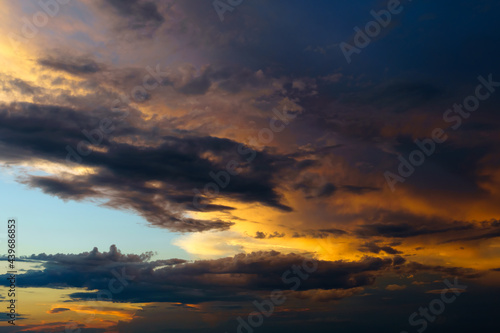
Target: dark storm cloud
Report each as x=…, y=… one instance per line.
x=178, y=161
x=89, y=268
x=29, y=130
x=174, y=161
x=176, y=280
x=157, y=181
x=62, y=189
x=72, y=65
x=96, y=257
x=227, y=279
x=413, y=66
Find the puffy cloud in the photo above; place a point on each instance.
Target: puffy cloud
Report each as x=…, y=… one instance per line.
x=159, y=176
x=225, y=279
x=395, y=287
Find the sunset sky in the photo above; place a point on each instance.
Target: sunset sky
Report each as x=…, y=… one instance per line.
x=171, y=163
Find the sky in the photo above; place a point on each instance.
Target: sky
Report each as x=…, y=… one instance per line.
x=250, y=166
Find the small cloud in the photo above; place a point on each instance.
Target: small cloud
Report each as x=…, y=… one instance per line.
x=419, y=283
x=72, y=65
x=260, y=235
x=58, y=310
x=263, y=235
x=277, y=235
x=394, y=287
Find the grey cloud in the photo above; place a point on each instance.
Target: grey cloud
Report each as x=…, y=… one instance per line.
x=176, y=280
x=176, y=164
x=72, y=65
x=24, y=87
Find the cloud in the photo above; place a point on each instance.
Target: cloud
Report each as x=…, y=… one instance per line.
x=174, y=280
x=9, y=83
x=263, y=235
x=24, y=87
x=88, y=269
x=404, y=225
x=138, y=15
x=260, y=235
x=319, y=179
x=155, y=179
x=493, y=231
x=72, y=65
x=57, y=310
x=395, y=287
x=321, y=295
x=374, y=248
x=74, y=190
x=334, y=231
x=448, y=271
x=320, y=233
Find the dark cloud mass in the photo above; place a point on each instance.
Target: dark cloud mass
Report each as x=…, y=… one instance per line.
x=176, y=163
x=176, y=280
x=243, y=134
